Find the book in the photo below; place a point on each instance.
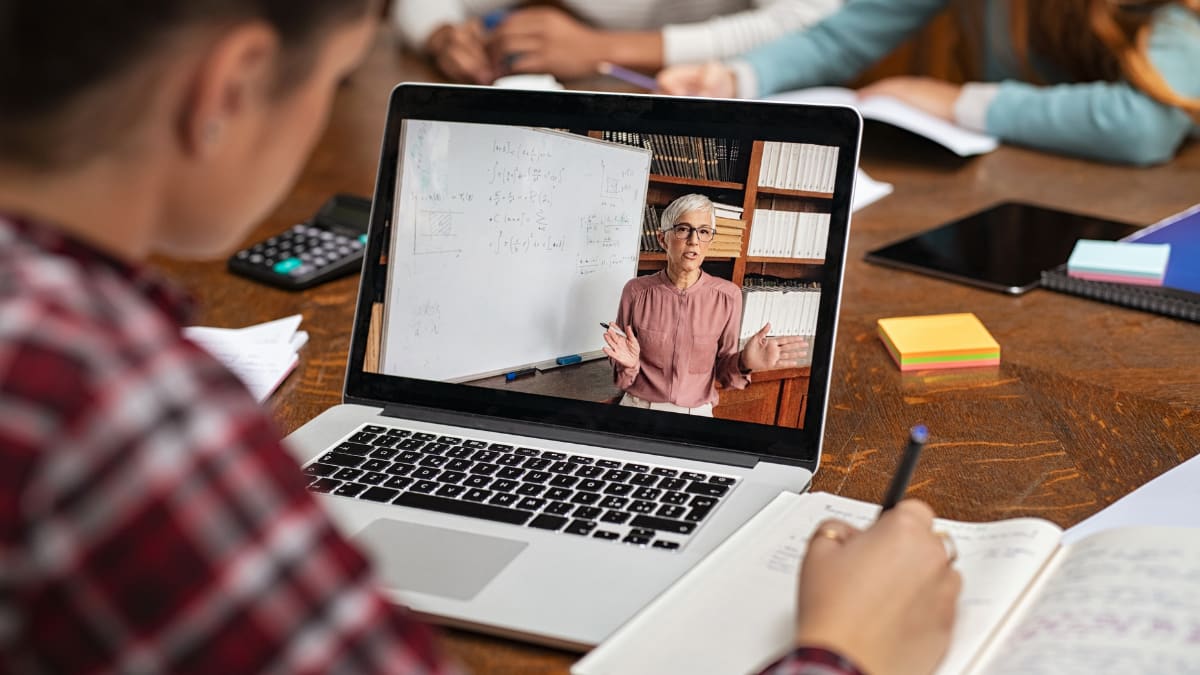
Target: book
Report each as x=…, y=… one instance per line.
x=938, y=341
x=1179, y=295
x=1118, y=601
x=962, y=142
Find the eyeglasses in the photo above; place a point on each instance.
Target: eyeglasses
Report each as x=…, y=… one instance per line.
x=702, y=233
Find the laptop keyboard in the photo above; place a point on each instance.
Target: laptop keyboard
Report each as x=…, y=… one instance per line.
x=646, y=505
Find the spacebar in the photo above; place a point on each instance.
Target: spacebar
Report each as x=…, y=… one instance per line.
x=469, y=509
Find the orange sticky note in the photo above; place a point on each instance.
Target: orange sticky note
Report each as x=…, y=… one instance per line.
x=939, y=341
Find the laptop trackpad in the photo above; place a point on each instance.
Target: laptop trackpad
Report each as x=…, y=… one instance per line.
x=435, y=560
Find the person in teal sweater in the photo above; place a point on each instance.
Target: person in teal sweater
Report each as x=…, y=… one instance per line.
x=1100, y=79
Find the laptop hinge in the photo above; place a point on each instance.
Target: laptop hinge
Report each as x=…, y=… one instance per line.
x=602, y=439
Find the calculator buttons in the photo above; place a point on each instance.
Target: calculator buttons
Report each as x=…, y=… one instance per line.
x=287, y=265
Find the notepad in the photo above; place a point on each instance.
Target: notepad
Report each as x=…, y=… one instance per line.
x=261, y=356
x=939, y=341
x=1119, y=262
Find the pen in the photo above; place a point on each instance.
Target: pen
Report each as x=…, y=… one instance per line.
x=509, y=377
x=635, y=78
x=607, y=327
x=916, y=441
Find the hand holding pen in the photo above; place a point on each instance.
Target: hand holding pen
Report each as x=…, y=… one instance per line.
x=622, y=346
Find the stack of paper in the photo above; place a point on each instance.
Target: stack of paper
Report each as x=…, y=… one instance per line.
x=1119, y=262
x=939, y=341
x=261, y=355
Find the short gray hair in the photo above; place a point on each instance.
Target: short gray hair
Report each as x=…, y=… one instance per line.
x=682, y=205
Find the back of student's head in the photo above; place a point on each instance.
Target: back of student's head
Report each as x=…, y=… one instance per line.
x=59, y=60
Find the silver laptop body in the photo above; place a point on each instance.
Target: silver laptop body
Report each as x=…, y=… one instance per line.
x=546, y=582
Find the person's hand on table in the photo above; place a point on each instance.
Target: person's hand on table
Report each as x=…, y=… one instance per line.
x=712, y=79
x=764, y=353
x=934, y=96
x=459, y=52
x=544, y=40
x=624, y=349
x=885, y=597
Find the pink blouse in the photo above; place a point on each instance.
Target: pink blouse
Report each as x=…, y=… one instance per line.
x=688, y=338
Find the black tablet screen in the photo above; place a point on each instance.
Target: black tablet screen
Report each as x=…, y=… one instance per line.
x=1004, y=247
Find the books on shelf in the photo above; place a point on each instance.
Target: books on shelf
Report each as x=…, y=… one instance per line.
x=888, y=110
x=789, y=305
x=788, y=228
x=692, y=157
x=1179, y=295
x=1119, y=601
x=805, y=167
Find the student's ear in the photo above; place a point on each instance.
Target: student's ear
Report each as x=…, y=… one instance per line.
x=230, y=81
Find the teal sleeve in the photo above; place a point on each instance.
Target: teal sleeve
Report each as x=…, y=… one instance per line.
x=1108, y=121
x=841, y=46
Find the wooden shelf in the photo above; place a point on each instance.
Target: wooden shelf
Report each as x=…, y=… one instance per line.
x=696, y=182
x=785, y=261
x=794, y=193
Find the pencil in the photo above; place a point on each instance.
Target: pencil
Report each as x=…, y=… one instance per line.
x=624, y=74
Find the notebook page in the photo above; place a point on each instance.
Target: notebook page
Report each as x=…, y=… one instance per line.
x=735, y=611
x=1121, y=601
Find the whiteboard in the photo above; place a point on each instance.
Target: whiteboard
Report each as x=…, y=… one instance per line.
x=509, y=246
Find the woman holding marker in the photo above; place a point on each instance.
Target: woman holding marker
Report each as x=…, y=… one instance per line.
x=676, y=333
x=476, y=41
x=1100, y=79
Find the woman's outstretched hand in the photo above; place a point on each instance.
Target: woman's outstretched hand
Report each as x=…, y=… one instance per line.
x=764, y=353
x=624, y=349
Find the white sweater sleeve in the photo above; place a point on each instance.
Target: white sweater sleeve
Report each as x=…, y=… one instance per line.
x=725, y=36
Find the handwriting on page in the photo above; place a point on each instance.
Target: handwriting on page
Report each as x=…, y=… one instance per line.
x=1122, y=601
x=997, y=560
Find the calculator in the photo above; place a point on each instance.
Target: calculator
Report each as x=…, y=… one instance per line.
x=328, y=246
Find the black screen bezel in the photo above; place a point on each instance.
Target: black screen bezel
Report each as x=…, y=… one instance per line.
x=828, y=125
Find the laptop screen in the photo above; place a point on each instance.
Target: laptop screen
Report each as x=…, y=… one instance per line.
x=511, y=229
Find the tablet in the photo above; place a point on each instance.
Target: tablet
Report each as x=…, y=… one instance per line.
x=1003, y=248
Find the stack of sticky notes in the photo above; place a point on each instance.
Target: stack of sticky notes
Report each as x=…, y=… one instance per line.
x=1119, y=261
x=939, y=341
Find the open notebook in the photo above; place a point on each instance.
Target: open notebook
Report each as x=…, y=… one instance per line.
x=1120, y=601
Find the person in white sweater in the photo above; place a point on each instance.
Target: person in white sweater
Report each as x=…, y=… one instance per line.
x=477, y=41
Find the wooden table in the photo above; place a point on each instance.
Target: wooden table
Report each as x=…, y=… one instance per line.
x=1089, y=402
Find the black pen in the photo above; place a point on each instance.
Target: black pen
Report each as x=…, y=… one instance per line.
x=608, y=327
x=912, y=452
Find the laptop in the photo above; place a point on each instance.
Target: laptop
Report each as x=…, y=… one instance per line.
x=481, y=456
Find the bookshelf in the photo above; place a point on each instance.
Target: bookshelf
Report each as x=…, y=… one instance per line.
x=780, y=190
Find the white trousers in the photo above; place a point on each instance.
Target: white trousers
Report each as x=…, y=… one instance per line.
x=635, y=402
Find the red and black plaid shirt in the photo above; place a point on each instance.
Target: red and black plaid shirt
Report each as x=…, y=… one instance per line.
x=150, y=521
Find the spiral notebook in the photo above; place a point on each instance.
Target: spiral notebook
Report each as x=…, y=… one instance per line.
x=1178, y=297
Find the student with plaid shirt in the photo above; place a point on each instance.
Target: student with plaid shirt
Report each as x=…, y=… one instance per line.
x=150, y=521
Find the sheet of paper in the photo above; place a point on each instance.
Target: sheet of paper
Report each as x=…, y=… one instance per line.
x=734, y=612
x=867, y=190
x=261, y=355
x=961, y=141
x=1172, y=499
x=1118, y=602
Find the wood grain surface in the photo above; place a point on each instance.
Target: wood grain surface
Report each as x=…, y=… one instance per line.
x=1089, y=402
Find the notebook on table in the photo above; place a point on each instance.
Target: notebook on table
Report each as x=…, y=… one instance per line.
x=479, y=456
x=1179, y=294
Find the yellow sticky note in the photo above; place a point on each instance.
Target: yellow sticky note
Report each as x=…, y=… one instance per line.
x=939, y=341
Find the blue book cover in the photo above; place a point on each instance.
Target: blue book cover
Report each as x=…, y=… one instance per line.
x=1182, y=232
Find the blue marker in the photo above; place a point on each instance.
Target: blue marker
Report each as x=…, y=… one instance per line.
x=524, y=372
x=568, y=360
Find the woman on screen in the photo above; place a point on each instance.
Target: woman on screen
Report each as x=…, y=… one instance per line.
x=676, y=333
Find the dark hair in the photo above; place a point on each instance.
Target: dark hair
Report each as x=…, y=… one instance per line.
x=53, y=54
